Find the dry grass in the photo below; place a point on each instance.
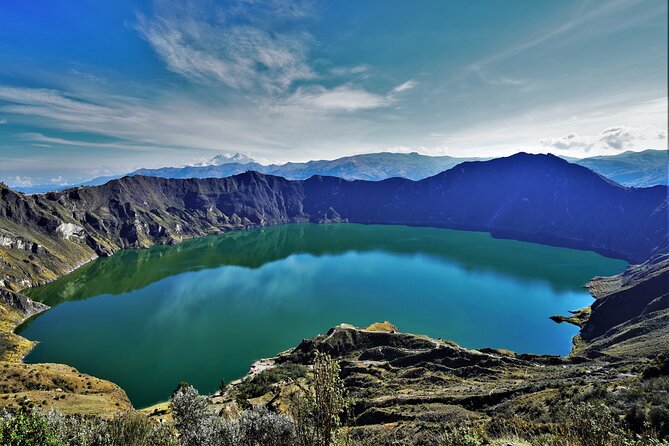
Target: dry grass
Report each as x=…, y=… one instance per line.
x=384, y=326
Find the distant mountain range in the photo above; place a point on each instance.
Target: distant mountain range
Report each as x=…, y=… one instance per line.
x=539, y=198
x=636, y=169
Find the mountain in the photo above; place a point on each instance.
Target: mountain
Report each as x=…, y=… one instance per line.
x=635, y=169
x=370, y=166
x=227, y=158
x=539, y=198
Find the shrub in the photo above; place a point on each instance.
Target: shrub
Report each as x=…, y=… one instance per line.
x=593, y=425
x=259, y=427
x=198, y=426
x=262, y=382
x=318, y=412
x=460, y=435
x=26, y=429
x=126, y=429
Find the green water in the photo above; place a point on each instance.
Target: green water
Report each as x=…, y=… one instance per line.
x=206, y=309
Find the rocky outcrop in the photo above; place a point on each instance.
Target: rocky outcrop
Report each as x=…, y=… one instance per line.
x=631, y=313
x=24, y=305
x=401, y=384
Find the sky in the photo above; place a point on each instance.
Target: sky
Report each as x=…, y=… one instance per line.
x=90, y=87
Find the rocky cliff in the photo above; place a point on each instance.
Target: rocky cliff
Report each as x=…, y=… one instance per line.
x=630, y=316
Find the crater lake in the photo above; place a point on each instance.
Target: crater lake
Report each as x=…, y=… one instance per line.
x=206, y=309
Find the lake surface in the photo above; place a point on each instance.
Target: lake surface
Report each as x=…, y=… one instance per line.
x=207, y=308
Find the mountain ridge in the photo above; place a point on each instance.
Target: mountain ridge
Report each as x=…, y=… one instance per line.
x=634, y=169
x=538, y=198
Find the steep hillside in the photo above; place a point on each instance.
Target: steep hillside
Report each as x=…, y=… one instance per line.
x=631, y=314
x=538, y=198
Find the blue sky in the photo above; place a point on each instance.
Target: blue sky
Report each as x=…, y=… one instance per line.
x=89, y=87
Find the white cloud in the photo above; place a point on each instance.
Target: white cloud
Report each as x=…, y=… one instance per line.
x=537, y=128
x=569, y=142
x=617, y=138
x=345, y=97
x=59, y=180
x=3, y=121
x=405, y=86
x=22, y=181
x=345, y=71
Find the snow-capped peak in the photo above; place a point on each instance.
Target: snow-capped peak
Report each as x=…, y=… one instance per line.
x=231, y=158
x=227, y=158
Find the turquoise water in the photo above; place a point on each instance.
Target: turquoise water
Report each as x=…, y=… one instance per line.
x=206, y=309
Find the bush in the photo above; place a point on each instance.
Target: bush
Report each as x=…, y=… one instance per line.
x=259, y=427
x=198, y=426
x=318, y=412
x=26, y=429
x=460, y=435
x=593, y=425
x=262, y=382
x=126, y=429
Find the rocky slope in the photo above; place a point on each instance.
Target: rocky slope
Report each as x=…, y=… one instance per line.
x=631, y=314
x=537, y=198
x=402, y=386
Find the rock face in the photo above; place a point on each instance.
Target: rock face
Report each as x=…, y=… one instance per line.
x=24, y=305
x=631, y=314
x=538, y=198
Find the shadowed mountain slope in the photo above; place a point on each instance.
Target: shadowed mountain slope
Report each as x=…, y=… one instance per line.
x=538, y=198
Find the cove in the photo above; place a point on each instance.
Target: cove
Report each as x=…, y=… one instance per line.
x=207, y=308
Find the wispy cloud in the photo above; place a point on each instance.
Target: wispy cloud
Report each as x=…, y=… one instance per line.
x=345, y=97
x=405, y=86
x=346, y=71
x=585, y=20
x=212, y=44
x=126, y=146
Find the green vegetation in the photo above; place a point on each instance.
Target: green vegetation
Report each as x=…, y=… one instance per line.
x=26, y=428
x=585, y=414
x=262, y=383
x=318, y=411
